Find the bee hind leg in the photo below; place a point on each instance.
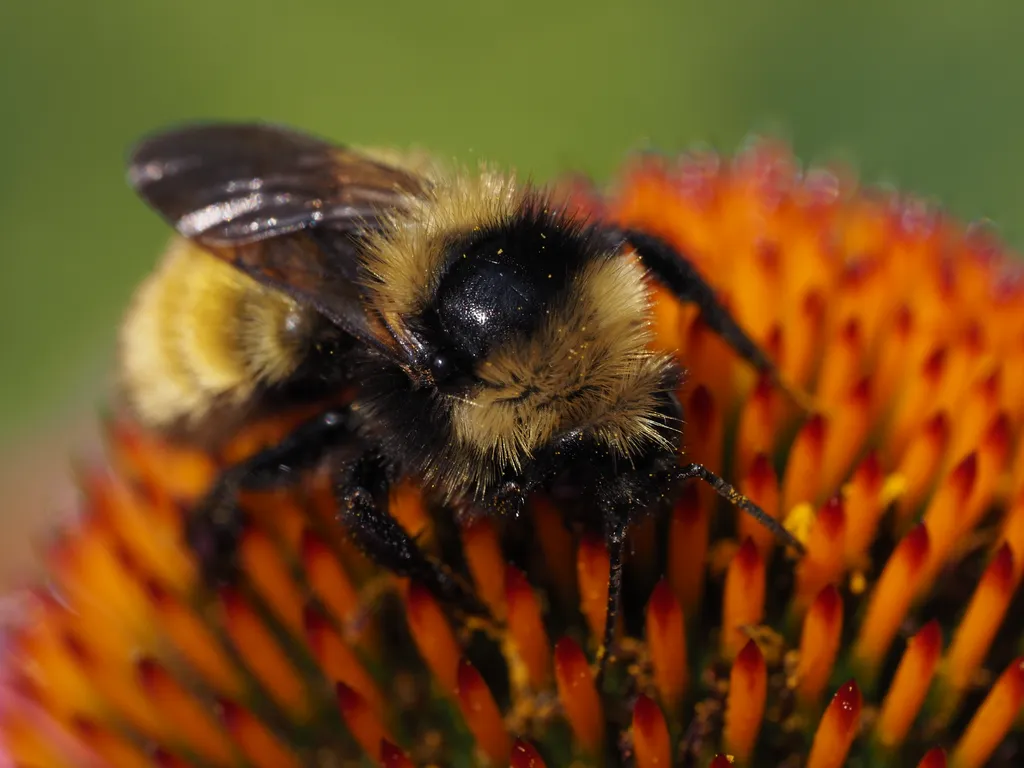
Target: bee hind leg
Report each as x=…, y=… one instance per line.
x=214, y=528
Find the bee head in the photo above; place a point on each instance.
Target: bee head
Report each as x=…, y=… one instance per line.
x=534, y=329
x=527, y=323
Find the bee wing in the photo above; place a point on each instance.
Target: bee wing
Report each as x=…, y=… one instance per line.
x=284, y=207
x=230, y=184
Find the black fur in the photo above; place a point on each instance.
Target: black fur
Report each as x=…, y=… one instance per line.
x=495, y=284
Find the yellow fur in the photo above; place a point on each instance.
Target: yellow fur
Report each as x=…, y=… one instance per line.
x=403, y=260
x=201, y=333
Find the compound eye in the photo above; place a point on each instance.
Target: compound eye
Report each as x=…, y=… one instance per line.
x=440, y=368
x=450, y=373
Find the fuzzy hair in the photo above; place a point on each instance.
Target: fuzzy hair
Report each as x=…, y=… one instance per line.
x=589, y=366
x=200, y=333
x=404, y=260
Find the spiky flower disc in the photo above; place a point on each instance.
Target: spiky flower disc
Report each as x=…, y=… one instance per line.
x=894, y=641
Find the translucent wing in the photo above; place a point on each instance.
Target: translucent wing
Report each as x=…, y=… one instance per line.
x=280, y=205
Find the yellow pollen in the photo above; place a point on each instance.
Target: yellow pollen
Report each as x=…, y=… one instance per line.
x=799, y=520
x=893, y=488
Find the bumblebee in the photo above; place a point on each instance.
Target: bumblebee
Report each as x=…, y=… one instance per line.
x=496, y=345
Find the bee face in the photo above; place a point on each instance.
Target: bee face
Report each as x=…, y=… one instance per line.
x=530, y=326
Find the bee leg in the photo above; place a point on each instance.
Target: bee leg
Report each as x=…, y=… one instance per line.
x=383, y=539
x=730, y=494
x=215, y=527
x=213, y=533
x=615, y=541
x=677, y=273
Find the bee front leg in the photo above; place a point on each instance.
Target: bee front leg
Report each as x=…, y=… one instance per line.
x=615, y=540
x=214, y=528
x=383, y=539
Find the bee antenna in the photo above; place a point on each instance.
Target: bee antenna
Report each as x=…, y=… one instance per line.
x=798, y=396
x=730, y=494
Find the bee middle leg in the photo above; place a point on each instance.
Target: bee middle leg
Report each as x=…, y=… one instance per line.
x=381, y=538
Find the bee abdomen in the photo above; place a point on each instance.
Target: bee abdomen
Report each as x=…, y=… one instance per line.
x=201, y=334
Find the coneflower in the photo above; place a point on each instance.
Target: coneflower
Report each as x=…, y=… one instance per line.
x=894, y=641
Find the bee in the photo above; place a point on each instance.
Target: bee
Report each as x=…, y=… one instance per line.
x=496, y=345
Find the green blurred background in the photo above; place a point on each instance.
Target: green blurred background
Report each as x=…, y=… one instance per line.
x=923, y=93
